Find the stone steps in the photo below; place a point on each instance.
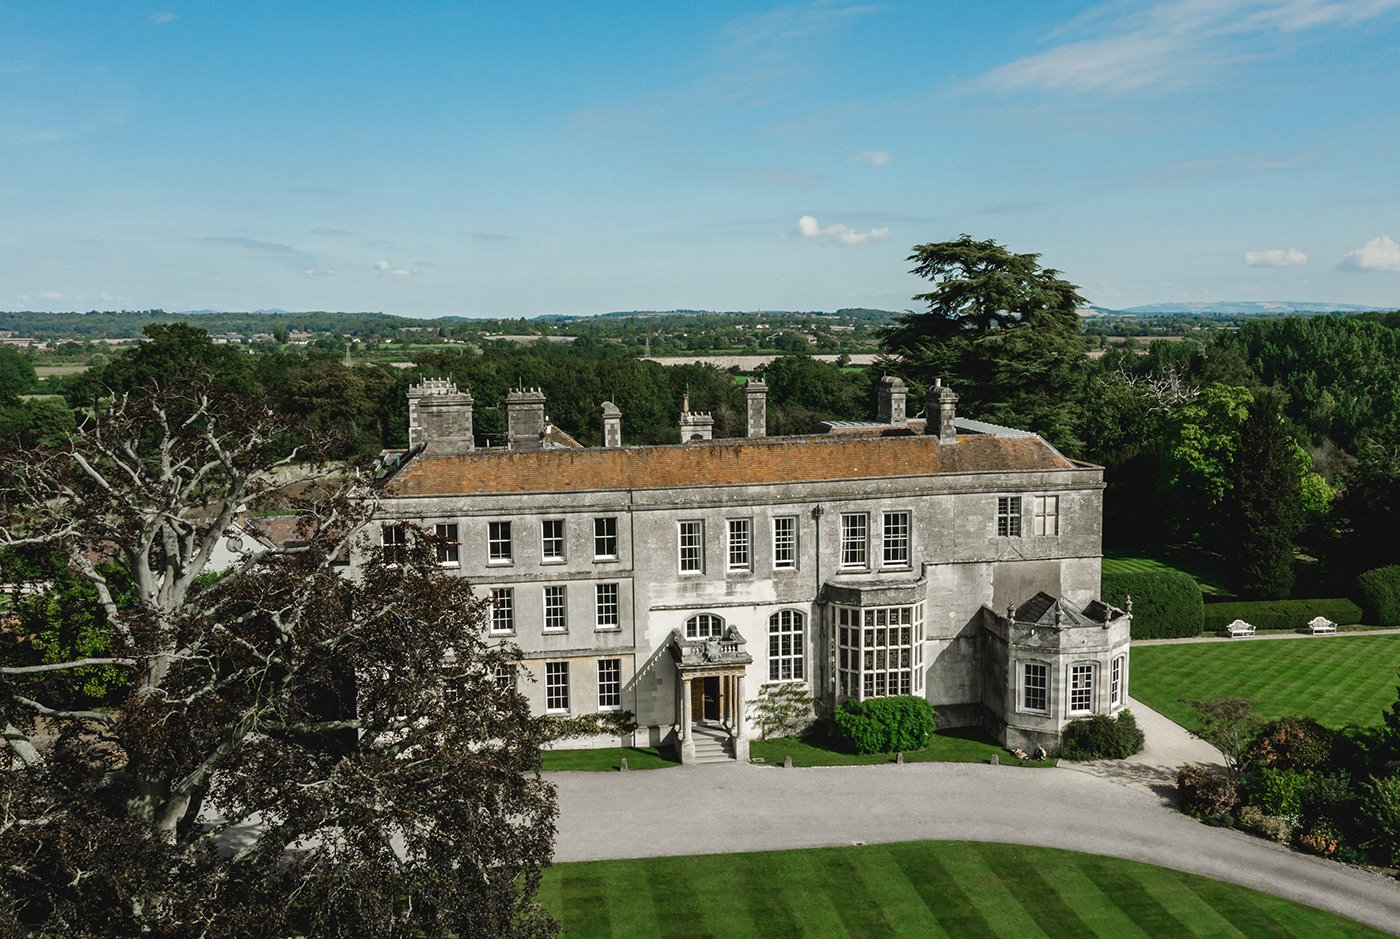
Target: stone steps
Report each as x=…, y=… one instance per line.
x=711, y=745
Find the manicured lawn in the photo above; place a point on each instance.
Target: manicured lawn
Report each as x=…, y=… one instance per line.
x=608, y=758
x=918, y=888
x=947, y=746
x=1118, y=561
x=1335, y=679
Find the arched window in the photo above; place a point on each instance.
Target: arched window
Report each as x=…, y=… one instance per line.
x=785, y=646
x=704, y=626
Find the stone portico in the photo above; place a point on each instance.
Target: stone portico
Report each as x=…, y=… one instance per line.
x=710, y=685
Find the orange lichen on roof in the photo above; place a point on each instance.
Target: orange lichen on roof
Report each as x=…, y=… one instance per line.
x=739, y=462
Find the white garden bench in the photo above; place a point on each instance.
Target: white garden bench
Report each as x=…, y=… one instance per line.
x=1239, y=628
x=1321, y=624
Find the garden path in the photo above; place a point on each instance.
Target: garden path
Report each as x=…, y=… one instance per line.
x=1167, y=745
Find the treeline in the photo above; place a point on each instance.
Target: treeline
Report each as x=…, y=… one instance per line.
x=362, y=407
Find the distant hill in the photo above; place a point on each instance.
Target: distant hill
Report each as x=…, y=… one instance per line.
x=1243, y=308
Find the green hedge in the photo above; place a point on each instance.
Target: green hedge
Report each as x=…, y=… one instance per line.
x=1281, y=614
x=1101, y=737
x=884, y=725
x=1166, y=604
x=1379, y=592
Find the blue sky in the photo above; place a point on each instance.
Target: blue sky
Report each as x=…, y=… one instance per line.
x=521, y=158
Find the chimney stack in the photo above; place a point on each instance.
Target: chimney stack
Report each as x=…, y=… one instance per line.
x=525, y=419
x=940, y=410
x=756, y=395
x=695, y=425
x=893, y=393
x=440, y=416
x=612, y=425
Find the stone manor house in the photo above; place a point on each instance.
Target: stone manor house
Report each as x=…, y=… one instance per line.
x=941, y=557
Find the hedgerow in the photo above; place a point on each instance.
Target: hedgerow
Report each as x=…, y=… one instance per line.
x=884, y=725
x=1280, y=614
x=1379, y=592
x=1166, y=604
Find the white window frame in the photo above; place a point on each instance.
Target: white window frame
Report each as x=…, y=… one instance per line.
x=855, y=541
x=556, y=687
x=879, y=650
x=393, y=542
x=449, y=546
x=607, y=607
x=1079, y=690
x=787, y=646
x=690, y=546
x=502, y=611
x=1042, y=669
x=704, y=626
x=556, y=608
x=1115, y=680
x=785, y=542
x=739, y=539
x=500, y=550
x=550, y=543
x=605, y=538
x=1047, y=515
x=900, y=542
x=610, y=684
x=1008, y=516
x=505, y=676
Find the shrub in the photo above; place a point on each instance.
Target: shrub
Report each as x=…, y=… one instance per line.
x=1101, y=737
x=1379, y=815
x=1207, y=793
x=1253, y=819
x=884, y=725
x=1166, y=604
x=1277, y=791
x=1379, y=592
x=1291, y=743
x=1328, y=797
x=1321, y=838
x=1280, y=614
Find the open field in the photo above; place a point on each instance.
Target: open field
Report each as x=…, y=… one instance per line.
x=54, y=371
x=1129, y=561
x=948, y=746
x=919, y=888
x=747, y=363
x=1335, y=679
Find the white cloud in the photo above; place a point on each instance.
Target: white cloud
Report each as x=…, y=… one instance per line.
x=1118, y=47
x=318, y=272
x=50, y=295
x=1275, y=257
x=399, y=272
x=808, y=227
x=163, y=17
x=1378, y=254
x=873, y=157
x=382, y=265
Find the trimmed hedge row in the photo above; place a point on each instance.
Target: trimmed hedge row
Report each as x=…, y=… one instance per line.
x=1379, y=592
x=1281, y=614
x=884, y=725
x=1166, y=604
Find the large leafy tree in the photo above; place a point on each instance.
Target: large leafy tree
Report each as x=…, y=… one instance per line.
x=999, y=328
x=296, y=749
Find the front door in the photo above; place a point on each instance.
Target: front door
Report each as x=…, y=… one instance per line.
x=705, y=704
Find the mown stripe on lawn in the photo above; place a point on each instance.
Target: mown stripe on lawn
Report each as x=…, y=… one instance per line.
x=1039, y=896
x=1240, y=908
x=1121, y=887
x=582, y=892
x=767, y=908
x=859, y=912
x=681, y=912
x=956, y=913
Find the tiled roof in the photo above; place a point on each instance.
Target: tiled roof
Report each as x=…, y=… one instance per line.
x=735, y=462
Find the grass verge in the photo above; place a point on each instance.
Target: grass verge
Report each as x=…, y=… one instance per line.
x=955, y=745
x=917, y=888
x=1334, y=679
x=608, y=758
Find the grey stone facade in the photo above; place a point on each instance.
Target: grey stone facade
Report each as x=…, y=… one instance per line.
x=872, y=560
